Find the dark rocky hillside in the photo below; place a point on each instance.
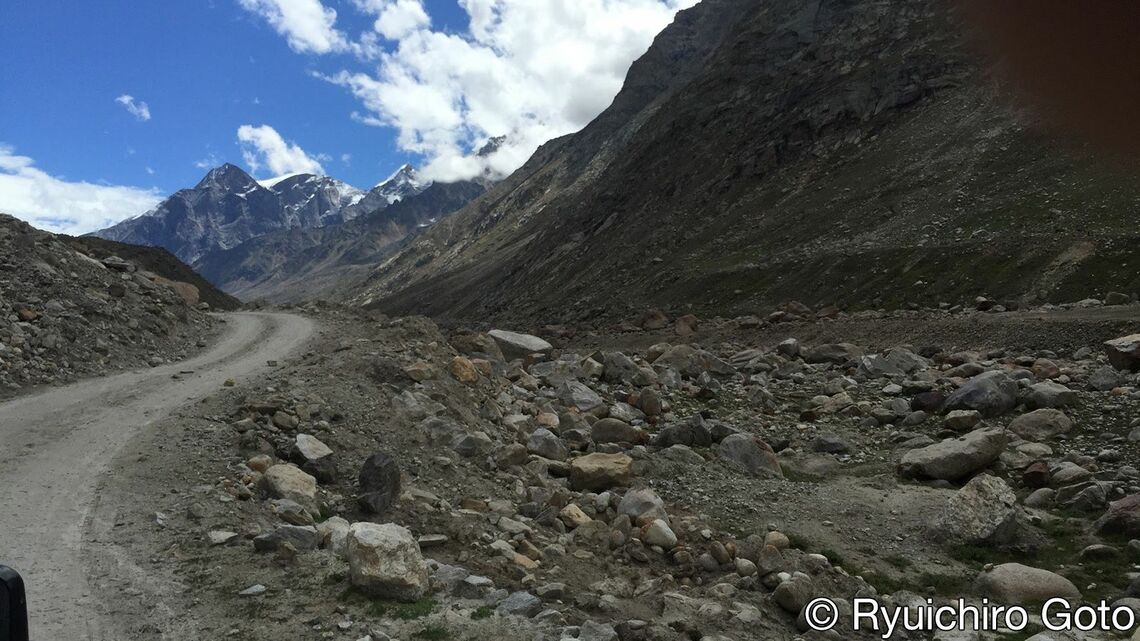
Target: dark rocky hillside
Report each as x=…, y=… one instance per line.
x=158, y=261
x=65, y=314
x=837, y=152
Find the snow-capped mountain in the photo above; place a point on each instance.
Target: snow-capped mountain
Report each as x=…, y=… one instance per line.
x=228, y=207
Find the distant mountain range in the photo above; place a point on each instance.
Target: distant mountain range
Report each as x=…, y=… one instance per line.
x=228, y=207
x=244, y=235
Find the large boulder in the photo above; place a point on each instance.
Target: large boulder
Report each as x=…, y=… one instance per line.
x=286, y=481
x=1016, y=584
x=611, y=430
x=642, y=505
x=516, y=346
x=546, y=444
x=1124, y=352
x=955, y=458
x=379, y=481
x=579, y=396
x=597, y=472
x=837, y=353
x=1105, y=379
x=385, y=561
x=1041, y=425
x=749, y=454
x=990, y=393
x=1122, y=517
x=984, y=512
x=691, y=433
x=1048, y=394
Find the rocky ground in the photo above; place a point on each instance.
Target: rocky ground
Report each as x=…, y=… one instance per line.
x=671, y=479
x=65, y=315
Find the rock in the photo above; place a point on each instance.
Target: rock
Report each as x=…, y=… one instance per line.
x=659, y=533
x=792, y=595
x=642, y=505
x=546, y=444
x=285, y=481
x=519, y=346
x=746, y=453
x=379, y=482
x=789, y=347
x=254, y=590
x=831, y=444
x=302, y=538
x=1124, y=353
x=962, y=420
x=573, y=516
x=463, y=370
x=984, y=511
x=650, y=402
x=1049, y=394
x=600, y=471
x=837, y=353
x=591, y=631
x=221, y=537
x=385, y=562
x=477, y=344
x=420, y=371
x=1041, y=425
x=654, y=319
x=895, y=362
x=333, y=533
x=691, y=433
x=611, y=430
x=1117, y=298
x=309, y=448
x=1105, y=379
x=523, y=604
x=1017, y=584
x=687, y=325
x=578, y=395
x=956, y=458
x=1122, y=517
x=991, y=394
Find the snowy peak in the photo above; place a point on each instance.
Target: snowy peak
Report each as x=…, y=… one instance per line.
x=403, y=183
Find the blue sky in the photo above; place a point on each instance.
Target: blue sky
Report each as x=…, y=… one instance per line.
x=354, y=87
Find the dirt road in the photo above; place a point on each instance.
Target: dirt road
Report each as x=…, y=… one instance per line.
x=55, y=445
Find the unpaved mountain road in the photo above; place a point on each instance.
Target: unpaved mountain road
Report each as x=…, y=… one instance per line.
x=55, y=445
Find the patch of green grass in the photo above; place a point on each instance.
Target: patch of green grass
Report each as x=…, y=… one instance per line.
x=834, y=557
x=406, y=611
x=433, y=633
x=482, y=612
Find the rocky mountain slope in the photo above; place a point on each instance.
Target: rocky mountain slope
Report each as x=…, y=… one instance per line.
x=845, y=153
x=65, y=314
x=308, y=263
x=228, y=207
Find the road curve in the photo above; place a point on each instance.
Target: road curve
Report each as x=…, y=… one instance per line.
x=54, y=446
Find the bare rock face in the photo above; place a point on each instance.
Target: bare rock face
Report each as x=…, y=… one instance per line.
x=385, y=561
x=956, y=458
x=379, y=483
x=1124, y=352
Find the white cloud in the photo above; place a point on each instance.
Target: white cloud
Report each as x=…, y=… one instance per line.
x=138, y=109
x=264, y=147
x=531, y=70
x=308, y=25
x=58, y=205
